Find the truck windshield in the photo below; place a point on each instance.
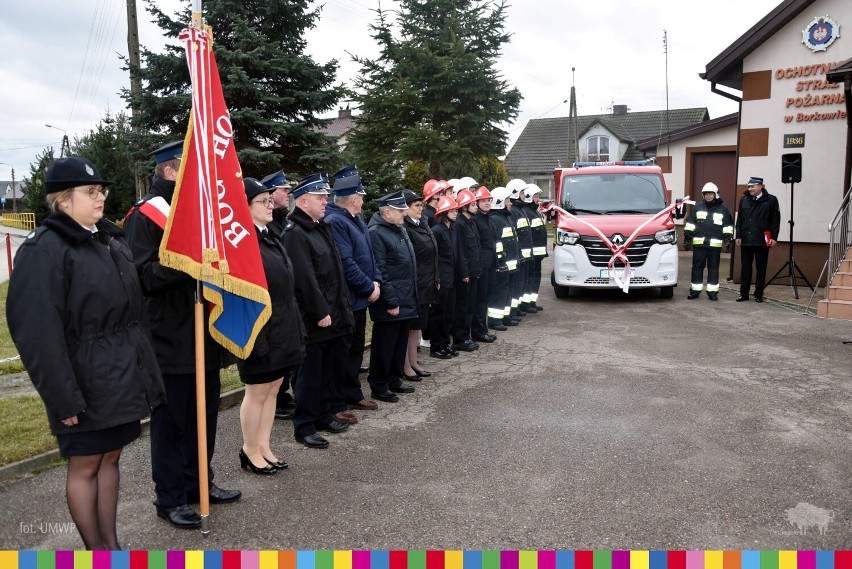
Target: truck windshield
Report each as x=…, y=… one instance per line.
x=613, y=193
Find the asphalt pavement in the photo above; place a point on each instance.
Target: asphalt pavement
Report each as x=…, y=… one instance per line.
x=608, y=421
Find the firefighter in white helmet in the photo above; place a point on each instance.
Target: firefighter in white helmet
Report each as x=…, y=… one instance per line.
x=506, y=248
x=530, y=197
x=708, y=229
x=518, y=283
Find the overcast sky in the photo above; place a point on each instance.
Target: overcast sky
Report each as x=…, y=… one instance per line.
x=59, y=64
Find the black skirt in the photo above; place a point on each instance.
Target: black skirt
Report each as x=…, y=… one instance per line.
x=422, y=321
x=266, y=377
x=100, y=441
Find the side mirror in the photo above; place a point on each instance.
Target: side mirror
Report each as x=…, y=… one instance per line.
x=679, y=212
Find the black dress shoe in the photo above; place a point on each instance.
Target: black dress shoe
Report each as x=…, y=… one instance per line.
x=403, y=388
x=247, y=464
x=497, y=325
x=312, y=441
x=692, y=295
x=414, y=377
x=363, y=369
x=742, y=298
x=487, y=338
x=713, y=295
x=441, y=354
x=283, y=414
x=221, y=496
x=334, y=426
x=387, y=397
x=466, y=346
x=180, y=516
x=510, y=322
x=758, y=299
x=423, y=373
x=277, y=465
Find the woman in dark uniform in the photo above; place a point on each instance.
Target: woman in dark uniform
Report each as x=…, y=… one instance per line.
x=428, y=283
x=280, y=345
x=88, y=351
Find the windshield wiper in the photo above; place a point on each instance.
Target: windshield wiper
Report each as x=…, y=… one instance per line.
x=625, y=211
x=578, y=210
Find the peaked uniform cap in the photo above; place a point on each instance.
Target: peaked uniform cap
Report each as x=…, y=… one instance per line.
x=396, y=200
x=350, y=170
x=167, y=152
x=411, y=196
x=445, y=203
x=276, y=180
x=313, y=184
x=755, y=180
x=70, y=172
x=254, y=188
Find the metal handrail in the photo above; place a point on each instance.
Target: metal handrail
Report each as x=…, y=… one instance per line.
x=839, y=235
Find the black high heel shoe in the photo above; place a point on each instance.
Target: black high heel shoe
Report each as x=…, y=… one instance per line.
x=249, y=465
x=278, y=464
x=422, y=373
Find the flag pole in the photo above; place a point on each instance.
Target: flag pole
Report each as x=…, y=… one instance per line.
x=200, y=376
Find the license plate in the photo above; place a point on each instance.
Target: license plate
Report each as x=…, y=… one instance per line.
x=606, y=273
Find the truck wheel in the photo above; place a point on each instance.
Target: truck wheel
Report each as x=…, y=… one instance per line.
x=667, y=292
x=561, y=291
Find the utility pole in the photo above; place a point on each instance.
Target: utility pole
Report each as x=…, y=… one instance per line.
x=14, y=201
x=135, y=81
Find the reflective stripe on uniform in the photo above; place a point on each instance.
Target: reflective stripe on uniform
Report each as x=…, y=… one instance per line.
x=534, y=297
x=689, y=227
x=728, y=230
x=715, y=242
x=499, y=246
x=718, y=219
x=495, y=312
x=702, y=215
x=712, y=287
x=512, y=264
x=699, y=287
x=526, y=253
x=507, y=232
x=515, y=302
x=523, y=222
x=539, y=251
x=698, y=240
x=537, y=222
x=507, y=312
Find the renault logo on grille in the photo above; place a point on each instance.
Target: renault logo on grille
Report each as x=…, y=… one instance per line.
x=617, y=239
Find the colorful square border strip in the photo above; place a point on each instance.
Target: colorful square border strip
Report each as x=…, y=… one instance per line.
x=450, y=559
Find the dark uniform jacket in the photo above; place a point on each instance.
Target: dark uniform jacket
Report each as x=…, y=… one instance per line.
x=280, y=343
x=709, y=225
x=169, y=295
x=505, y=240
x=757, y=216
x=522, y=230
x=279, y=221
x=538, y=229
x=446, y=240
x=468, y=261
x=320, y=283
x=76, y=315
x=426, y=252
x=428, y=215
x=398, y=267
x=487, y=253
x=356, y=253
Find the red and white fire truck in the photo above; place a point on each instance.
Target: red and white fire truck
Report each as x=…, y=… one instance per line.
x=615, y=217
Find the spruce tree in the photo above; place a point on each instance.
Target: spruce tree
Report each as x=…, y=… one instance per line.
x=35, y=197
x=274, y=91
x=433, y=94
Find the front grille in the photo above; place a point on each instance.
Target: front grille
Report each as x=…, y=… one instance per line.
x=603, y=281
x=599, y=255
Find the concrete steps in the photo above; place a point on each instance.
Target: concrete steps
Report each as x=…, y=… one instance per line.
x=838, y=297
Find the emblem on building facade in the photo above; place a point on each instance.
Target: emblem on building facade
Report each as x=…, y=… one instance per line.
x=820, y=33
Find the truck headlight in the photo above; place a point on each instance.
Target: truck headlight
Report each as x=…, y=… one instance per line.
x=666, y=236
x=566, y=237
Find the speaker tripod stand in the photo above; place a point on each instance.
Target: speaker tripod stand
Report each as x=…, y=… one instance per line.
x=790, y=266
